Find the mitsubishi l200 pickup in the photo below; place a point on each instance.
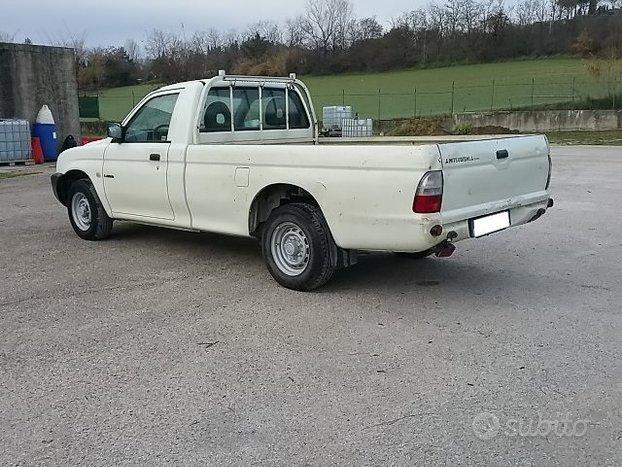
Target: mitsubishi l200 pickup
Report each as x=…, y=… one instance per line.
x=241, y=155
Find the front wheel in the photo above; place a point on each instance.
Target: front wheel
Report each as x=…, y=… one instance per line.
x=86, y=212
x=296, y=246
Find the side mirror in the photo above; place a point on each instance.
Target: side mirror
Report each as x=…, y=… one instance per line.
x=115, y=131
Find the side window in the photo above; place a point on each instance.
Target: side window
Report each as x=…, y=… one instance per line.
x=297, y=113
x=273, y=102
x=151, y=123
x=217, y=116
x=246, y=109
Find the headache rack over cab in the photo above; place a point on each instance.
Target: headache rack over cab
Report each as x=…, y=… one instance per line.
x=241, y=114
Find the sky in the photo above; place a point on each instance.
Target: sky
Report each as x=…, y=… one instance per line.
x=112, y=22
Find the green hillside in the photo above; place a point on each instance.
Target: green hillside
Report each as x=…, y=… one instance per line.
x=392, y=94
x=515, y=82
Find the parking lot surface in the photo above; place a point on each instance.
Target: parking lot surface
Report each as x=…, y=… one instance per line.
x=164, y=346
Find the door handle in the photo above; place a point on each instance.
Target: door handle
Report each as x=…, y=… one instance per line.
x=502, y=154
x=154, y=157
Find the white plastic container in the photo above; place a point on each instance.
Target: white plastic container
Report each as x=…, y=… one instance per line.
x=45, y=129
x=15, y=145
x=332, y=116
x=357, y=128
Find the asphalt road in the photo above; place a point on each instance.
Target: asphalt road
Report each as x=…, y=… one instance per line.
x=162, y=346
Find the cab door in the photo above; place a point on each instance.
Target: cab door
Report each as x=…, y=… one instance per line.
x=135, y=168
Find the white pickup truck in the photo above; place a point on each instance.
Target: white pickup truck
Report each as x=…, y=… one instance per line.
x=240, y=155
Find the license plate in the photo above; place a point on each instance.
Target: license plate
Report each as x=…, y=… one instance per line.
x=489, y=224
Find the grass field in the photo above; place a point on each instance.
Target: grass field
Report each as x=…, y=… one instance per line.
x=392, y=94
x=515, y=82
x=114, y=104
x=607, y=138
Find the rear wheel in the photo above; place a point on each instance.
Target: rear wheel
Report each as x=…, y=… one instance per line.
x=296, y=246
x=86, y=212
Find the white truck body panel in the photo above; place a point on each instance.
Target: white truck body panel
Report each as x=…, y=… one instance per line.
x=364, y=187
x=478, y=183
x=345, y=182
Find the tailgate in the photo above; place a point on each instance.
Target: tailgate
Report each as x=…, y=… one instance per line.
x=482, y=177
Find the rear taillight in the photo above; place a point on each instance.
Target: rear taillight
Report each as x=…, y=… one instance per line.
x=429, y=194
x=548, y=179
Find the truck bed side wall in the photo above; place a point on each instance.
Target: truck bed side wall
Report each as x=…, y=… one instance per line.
x=365, y=193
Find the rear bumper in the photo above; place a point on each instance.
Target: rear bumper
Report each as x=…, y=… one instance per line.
x=459, y=230
x=518, y=216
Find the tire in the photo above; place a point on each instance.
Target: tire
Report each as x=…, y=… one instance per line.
x=296, y=245
x=86, y=212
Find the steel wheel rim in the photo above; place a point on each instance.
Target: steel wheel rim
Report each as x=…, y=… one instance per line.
x=81, y=211
x=290, y=249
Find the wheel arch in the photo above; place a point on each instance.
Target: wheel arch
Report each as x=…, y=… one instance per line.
x=273, y=196
x=65, y=181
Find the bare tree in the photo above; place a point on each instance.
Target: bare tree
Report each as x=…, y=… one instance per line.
x=267, y=30
x=492, y=9
x=324, y=24
x=294, y=35
x=437, y=17
x=7, y=37
x=208, y=41
x=543, y=10
x=365, y=29
x=75, y=41
x=471, y=11
x=453, y=14
x=344, y=23
x=415, y=20
x=214, y=39
x=532, y=11
x=157, y=43
x=230, y=38
x=327, y=38
x=132, y=49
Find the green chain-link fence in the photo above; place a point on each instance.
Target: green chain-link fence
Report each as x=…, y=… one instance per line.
x=384, y=104
x=460, y=98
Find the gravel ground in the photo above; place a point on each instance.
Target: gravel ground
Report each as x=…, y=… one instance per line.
x=161, y=346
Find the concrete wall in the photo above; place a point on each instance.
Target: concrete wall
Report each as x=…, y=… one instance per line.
x=33, y=75
x=545, y=120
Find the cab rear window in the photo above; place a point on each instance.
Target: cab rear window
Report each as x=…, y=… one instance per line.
x=244, y=108
x=297, y=115
x=217, y=115
x=273, y=103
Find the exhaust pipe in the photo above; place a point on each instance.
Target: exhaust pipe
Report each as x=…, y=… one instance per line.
x=445, y=250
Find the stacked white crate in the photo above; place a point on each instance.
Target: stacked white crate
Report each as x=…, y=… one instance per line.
x=357, y=127
x=332, y=116
x=15, y=145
